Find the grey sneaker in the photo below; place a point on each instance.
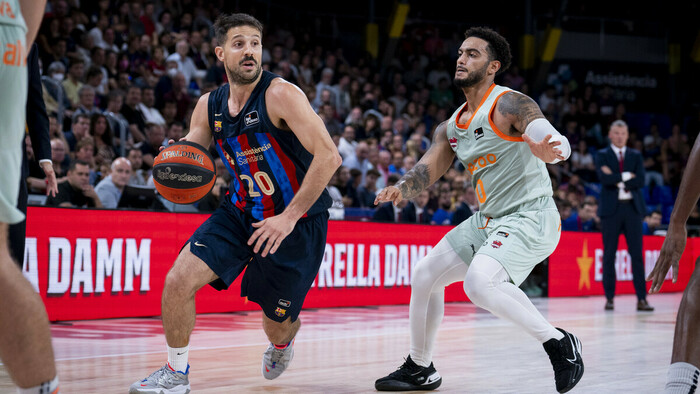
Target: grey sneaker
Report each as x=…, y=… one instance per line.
x=163, y=381
x=275, y=361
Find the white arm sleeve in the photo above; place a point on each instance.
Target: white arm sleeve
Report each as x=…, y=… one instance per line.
x=539, y=128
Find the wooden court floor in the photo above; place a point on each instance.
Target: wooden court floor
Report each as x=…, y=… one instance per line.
x=343, y=350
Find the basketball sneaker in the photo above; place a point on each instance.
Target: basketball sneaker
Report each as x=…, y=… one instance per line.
x=410, y=376
x=163, y=381
x=565, y=355
x=275, y=361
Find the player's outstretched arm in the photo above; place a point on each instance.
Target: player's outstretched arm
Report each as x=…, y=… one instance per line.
x=523, y=116
x=674, y=244
x=434, y=163
x=200, y=132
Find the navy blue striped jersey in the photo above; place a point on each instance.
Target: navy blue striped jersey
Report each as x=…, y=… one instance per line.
x=267, y=164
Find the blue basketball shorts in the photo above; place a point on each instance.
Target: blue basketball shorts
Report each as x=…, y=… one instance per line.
x=278, y=282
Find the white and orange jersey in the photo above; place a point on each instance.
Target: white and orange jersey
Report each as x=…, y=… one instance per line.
x=505, y=174
x=11, y=14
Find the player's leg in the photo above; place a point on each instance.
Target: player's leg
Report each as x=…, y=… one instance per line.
x=187, y=275
x=279, y=283
x=25, y=341
x=634, y=238
x=684, y=372
x=610, y=229
x=440, y=267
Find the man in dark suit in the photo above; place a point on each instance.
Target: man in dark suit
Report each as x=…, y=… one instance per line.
x=414, y=211
x=38, y=128
x=622, y=209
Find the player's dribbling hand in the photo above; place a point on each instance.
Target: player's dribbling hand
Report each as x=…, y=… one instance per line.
x=170, y=142
x=271, y=232
x=389, y=193
x=544, y=150
x=670, y=254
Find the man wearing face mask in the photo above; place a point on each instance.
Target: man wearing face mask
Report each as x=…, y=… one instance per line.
x=53, y=92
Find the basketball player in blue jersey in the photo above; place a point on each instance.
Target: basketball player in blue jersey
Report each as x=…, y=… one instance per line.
x=504, y=141
x=275, y=218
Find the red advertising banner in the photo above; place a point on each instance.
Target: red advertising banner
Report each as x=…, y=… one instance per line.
x=576, y=266
x=94, y=264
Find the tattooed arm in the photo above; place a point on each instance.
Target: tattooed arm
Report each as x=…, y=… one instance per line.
x=521, y=117
x=434, y=163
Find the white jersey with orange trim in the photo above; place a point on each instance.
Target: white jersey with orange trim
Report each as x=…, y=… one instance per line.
x=11, y=14
x=505, y=174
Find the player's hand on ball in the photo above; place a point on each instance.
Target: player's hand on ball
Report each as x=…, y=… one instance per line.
x=170, y=142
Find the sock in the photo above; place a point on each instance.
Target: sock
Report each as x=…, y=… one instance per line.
x=281, y=346
x=177, y=358
x=50, y=387
x=682, y=378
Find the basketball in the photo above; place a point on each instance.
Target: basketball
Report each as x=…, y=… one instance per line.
x=184, y=172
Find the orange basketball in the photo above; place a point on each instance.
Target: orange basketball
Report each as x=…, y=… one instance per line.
x=184, y=172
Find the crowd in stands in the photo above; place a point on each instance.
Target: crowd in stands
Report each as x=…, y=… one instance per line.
x=121, y=78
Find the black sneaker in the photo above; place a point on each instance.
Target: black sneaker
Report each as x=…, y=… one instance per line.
x=565, y=355
x=410, y=376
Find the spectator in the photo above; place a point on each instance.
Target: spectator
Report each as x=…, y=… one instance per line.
x=352, y=187
x=347, y=144
x=175, y=132
x=117, y=122
x=468, y=204
x=110, y=189
x=179, y=95
x=147, y=107
x=151, y=147
x=101, y=132
x=86, y=102
x=139, y=176
x=443, y=215
x=79, y=130
x=73, y=82
x=59, y=157
x=582, y=163
x=396, y=166
x=76, y=190
x=585, y=219
x=185, y=64
x=360, y=160
x=383, y=168
x=652, y=222
x=85, y=151
x=368, y=191
x=130, y=111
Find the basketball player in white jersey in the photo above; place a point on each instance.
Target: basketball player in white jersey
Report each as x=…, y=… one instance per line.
x=504, y=141
x=25, y=339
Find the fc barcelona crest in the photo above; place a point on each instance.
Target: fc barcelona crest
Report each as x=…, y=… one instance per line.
x=280, y=312
x=217, y=126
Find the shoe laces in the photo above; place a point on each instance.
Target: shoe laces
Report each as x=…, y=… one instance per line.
x=277, y=355
x=404, y=370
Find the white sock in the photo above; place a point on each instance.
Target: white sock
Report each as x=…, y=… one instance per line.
x=177, y=358
x=50, y=387
x=488, y=285
x=439, y=268
x=682, y=378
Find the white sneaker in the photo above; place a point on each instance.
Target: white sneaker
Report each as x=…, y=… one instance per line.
x=163, y=381
x=275, y=361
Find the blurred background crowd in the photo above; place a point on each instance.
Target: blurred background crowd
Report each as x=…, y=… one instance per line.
x=121, y=78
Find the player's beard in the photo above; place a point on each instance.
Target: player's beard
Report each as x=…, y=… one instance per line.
x=472, y=78
x=237, y=77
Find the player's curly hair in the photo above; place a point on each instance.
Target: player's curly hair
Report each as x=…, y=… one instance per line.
x=226, y=22
x=498, y=47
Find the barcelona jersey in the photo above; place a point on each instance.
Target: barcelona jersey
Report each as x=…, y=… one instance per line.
x=267, y=164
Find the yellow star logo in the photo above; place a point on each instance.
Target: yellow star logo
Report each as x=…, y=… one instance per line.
x=584, y=266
